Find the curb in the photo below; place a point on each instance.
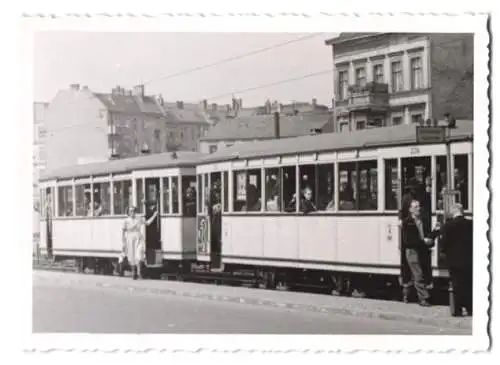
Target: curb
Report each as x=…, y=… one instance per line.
x=447, y=322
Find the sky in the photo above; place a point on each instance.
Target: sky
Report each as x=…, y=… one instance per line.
x=104, y=60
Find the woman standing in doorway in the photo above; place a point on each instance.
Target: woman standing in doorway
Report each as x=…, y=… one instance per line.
x=133, y=240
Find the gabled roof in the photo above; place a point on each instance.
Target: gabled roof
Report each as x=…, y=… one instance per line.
x=262, y=126
x=129, y=103
x=377, y=137
x=344, y=37
x=153, y=161
x=132, y=104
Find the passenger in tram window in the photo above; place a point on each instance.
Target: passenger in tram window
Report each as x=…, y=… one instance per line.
x=461, y=186
x=306, y=203
x=190, y=202
x=86, y=205
x=98, y=209
x=327, y=201
x=346, y=196
x=253, y=203
x=272, y=192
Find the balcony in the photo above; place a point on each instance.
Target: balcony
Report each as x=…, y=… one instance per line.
x=371, y=96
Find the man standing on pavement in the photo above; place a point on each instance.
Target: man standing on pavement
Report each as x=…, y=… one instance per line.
x=415, y=246
x=405, y=274
x=457, y=246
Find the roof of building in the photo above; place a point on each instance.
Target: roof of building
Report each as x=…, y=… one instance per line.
x=132, y=104
x=262, y=126
x=153, y=161
x=344, y=37
x=395, y=135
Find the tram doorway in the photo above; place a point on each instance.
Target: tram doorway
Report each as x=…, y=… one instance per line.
x=153, y=231
x=215, y=218
x=48, y=219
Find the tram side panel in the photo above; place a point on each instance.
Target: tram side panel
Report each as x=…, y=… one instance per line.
x=354, y=244
x=178, y=236
x=87, y=237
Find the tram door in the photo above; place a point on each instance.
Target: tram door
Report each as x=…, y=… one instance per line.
x=153, y=231
x=416, y=171
x=48, y=219
x=215, y=219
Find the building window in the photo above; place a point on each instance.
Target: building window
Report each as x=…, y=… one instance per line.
x=343, y=82
x=397, y=76
x=417, y=79
x=360, y=76
x=378, y=74
x=344, y=127
x=397, y=120
x=417, y=118
x=212, y=148
x=360, y=125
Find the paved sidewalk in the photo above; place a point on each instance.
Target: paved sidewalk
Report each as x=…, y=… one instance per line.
x=368, y=308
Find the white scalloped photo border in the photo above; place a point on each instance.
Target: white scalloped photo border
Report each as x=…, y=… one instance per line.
x=257, y=22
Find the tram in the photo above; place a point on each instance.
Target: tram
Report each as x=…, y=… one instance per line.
x=84, y=206
x=323, y=209
x=317, y=210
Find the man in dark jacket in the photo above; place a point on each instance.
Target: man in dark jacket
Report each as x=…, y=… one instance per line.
x=404, y=212
x=415, y=245
x=457, y=246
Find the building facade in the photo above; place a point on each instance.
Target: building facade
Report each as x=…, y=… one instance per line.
x=39, y=154
x=383, y=79
x=83, y=126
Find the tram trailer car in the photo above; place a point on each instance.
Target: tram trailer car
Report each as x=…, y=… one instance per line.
x=349, y=238
x=84, y=207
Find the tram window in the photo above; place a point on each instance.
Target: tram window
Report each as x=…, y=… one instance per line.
x=326, y=188
x=273, y=190
x=247, y=191
x=200, y=193
x=82, y=193
x=288, y=180
x=65, y=201
x=461, y=174
x=347, y=186
x=308, y=188
x=189, y=196
x=206, y=193
x=391, y=184
x=42, y=203
x=166, y=196
x=225, y=188
x=122, y=196
x=139, y=189
x=102, y=199
x=368, y=185
x=175, y=195
x=440, y=181
x=49, y=206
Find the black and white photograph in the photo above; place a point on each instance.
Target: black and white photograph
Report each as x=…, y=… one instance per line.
x=317, y=181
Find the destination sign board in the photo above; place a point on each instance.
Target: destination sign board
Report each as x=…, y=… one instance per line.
x=430, y=134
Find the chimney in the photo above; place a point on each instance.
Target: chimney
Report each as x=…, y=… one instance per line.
x=180, y=104
x=75, y=87
x=276, y=125
x=204, y=105
x=138, y=90
x=235, y=104
x=314, y=103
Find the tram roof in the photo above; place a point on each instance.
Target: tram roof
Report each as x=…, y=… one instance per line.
x=368, y=138
x=152, y=161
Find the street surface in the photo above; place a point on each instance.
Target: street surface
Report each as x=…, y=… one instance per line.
x=61, y=306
